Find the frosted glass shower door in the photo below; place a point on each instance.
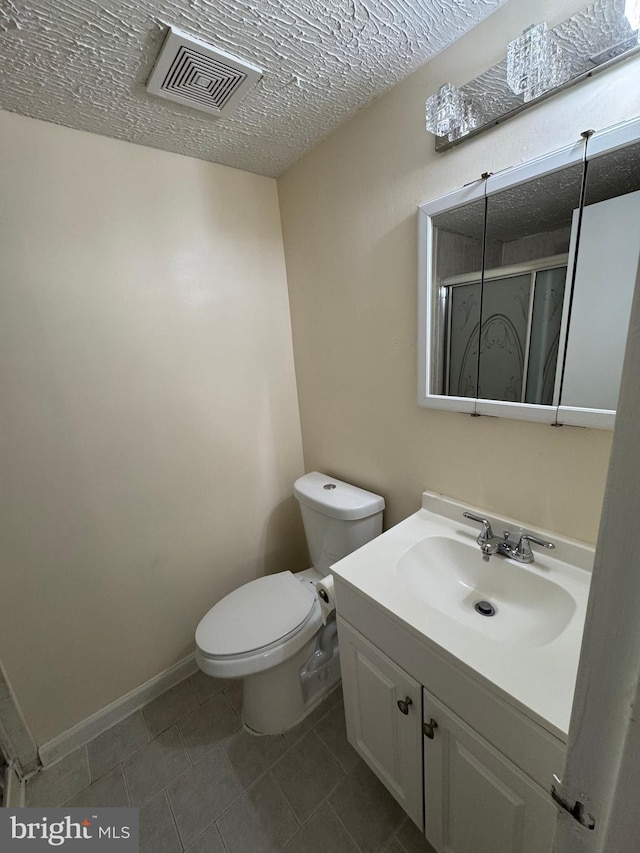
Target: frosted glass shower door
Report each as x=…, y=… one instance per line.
x=503, y=337
x=545, y=335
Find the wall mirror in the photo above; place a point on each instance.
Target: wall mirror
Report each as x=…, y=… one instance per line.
x=526, y=281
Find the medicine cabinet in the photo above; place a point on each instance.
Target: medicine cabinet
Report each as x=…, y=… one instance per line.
x=526, y=280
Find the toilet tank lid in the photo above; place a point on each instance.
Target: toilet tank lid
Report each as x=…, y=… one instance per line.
x=336, y=499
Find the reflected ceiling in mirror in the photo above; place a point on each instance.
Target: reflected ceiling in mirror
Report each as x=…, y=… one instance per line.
x=590, y=41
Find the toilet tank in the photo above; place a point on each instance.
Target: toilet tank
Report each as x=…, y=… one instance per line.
x=337, y=517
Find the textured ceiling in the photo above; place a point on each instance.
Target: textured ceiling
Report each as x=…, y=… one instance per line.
x=547, y=203
x=84, y=64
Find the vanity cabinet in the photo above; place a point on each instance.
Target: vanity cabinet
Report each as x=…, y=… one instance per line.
x=383, y=706
x=469, y=769
x=476, y=800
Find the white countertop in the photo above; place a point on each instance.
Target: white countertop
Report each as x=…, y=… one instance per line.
x=539, y=679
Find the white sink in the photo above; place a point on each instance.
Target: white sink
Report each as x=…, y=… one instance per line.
x=450, y=575
x=427, y=573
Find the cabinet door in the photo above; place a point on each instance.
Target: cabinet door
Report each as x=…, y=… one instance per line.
x=476, y=800
x=389, y=740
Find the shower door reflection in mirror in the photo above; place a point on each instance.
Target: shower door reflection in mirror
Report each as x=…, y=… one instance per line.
x=459, y=240
x=527, y=237
x=515, y=355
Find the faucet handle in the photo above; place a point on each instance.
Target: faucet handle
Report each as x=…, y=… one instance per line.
x=486, y=533
x=523, y=550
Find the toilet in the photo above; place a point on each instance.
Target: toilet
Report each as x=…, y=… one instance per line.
x=270, y=631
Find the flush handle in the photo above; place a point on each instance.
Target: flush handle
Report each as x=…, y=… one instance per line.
x=403, y=704
x=428, y=728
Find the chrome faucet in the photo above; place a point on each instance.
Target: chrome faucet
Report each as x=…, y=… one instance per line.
x=490, y=544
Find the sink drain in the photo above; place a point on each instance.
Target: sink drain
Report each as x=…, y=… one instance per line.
x=485, y=608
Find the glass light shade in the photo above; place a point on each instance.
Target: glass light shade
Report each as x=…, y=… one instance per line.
x=535, y=63
x=443, y=110
x=469, y=120
x=632, y=14
x=449, y=113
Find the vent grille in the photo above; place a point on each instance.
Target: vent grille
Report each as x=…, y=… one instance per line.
x=198, y=75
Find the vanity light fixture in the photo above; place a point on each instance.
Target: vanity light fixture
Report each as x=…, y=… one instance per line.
x=449, y=113
x=535, y=63
x=538, y=63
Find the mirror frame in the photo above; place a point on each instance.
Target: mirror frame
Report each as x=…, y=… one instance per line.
x=600, y=143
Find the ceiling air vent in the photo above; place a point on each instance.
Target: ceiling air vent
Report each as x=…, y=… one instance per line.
x=196, y=74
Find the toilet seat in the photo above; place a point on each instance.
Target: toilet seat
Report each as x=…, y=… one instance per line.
x=257, y=626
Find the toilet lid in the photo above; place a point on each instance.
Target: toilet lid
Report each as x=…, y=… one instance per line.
x=256, y=614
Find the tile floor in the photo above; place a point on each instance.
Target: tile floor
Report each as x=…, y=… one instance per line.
x=204, y=785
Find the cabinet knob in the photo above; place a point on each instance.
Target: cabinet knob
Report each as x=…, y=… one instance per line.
x=403, y=704
x=428, y=728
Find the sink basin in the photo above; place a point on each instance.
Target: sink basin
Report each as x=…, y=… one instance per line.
x=421, y=579
x=451, y=576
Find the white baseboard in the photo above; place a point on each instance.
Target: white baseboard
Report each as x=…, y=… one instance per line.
x=102, y=720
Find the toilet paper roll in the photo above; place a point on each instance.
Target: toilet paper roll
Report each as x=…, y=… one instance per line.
x=326, y=596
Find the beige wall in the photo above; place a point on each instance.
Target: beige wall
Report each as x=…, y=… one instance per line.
x=150, y=432
x=349, y=222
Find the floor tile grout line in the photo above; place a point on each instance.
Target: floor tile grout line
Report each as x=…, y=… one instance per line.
x=319, y=805
x=278, y=759
x=347, y=770
x=349, y=836
x=227, y=761
x=394, y=832
x=211, y=696
x=274, y=781
x=167, y=799
x=243, y=793
x=400, y=844
x=393, y=837
x=123, y=758
x=233, y=710
x=215, y=820
x=186, y=680
x=135, y=752
x=186, y=748
x=183, y=773
x=219, y=834
x=299, y=738
x=323, y=744
x=144, y=722
x=203, y=833
x=193, y=690
x=229, y=687
x=126, y=786
x=329, y=750
x=286, y=799
x=222, y=841
x=86, y=757
x=230, y=737
x=86, y=787
x=200, y=701
x=327, y=710
x=230, y=806
x=175, y=778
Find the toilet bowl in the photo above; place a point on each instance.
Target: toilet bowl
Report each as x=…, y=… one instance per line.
x=270, y=631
